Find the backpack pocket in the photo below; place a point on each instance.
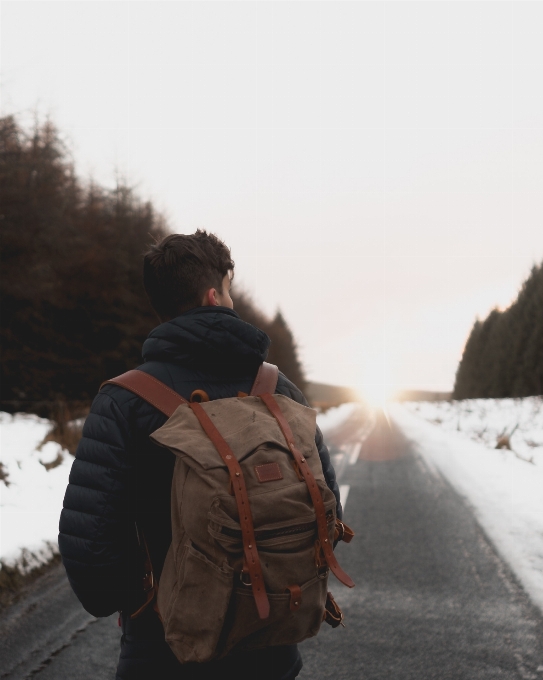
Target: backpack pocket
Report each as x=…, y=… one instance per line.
x=199, y=605
x=284, y=626
x=290, y=536
x=287, y=550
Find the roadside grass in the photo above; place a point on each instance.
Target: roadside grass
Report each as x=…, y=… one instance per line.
x=16, y=578
x=68, y=420
x=65, y=433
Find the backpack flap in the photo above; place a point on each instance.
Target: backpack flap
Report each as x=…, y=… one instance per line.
x=245, y=423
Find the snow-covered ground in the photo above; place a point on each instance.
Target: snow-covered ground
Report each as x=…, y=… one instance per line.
x=486, y=420
x=31, y=501
x=458, y=439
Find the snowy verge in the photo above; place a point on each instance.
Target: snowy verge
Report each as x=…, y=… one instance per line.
x=505, y=492
x=33, y=491
x=36, y=477
x=333, y=417
x=488, y=420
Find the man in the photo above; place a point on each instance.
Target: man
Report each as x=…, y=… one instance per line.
x=120, y=479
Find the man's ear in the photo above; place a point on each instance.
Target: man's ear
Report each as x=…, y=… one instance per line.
x=210, y=298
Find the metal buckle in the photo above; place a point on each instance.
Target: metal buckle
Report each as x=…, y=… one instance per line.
x=245, y=575
x=150, y=580
x=322, y=572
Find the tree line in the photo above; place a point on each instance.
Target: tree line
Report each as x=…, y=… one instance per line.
x=73, y=308
x=503, y=356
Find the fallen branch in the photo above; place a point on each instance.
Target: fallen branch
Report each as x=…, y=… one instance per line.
x=526, y=460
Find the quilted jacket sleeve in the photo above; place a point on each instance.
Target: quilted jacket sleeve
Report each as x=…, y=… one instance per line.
x=289, y=389
x=95, y=524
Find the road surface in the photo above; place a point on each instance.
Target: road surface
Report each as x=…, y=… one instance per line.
x=432, y=597
x=432, y=600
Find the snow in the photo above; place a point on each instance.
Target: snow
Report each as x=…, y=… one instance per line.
x=333, y=417
x=458, y=439
x=485, y=420
x=31, y=502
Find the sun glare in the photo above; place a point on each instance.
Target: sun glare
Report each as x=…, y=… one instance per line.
x=376, y=395
x=375, y=387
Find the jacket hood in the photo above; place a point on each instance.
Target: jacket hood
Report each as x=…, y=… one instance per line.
x=208, y=337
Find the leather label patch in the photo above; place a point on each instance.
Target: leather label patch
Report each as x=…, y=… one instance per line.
x=268, y=472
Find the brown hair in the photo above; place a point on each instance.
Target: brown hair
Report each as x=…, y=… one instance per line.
x=178, y=270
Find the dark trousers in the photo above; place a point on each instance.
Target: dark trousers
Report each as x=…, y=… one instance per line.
x=145, y=655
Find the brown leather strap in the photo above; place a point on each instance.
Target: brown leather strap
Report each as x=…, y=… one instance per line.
x=252, y=560
x=166, y=400
x=343, y=532
x=152, y=390
x=295, y=597
x=332, y=613
x=314, y=491
x=150, y=585
x=266, y=380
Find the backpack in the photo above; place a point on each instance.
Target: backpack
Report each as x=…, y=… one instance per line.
x=253, y=521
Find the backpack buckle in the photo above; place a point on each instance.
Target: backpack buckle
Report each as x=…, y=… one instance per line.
x=148, y=582
x=322, y=572
x=339, y=531
x=332, y=613
x=245, y=578
x=342, y=532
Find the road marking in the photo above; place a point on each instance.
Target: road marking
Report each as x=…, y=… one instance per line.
x=355, y=453
x=343, y=494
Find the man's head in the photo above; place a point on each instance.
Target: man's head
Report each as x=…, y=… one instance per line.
x=186, y=271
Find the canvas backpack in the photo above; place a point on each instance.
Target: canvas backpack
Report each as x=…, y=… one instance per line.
x=253, y=521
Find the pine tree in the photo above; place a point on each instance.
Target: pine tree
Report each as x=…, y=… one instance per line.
x=529, y=374
x=283, y=350
x=466, y=377
x=73, y=307
x=503, y=356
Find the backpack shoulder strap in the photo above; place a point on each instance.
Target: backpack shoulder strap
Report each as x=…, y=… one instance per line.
x=266, y=380
x=166, y=400
x=314, y=491
x=150, y=389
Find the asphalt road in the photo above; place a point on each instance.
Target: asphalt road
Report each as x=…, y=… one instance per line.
x=432, y=600
x=432, y=597
x=47, y=635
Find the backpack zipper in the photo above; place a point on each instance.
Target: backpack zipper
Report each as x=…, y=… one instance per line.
x=266, y=534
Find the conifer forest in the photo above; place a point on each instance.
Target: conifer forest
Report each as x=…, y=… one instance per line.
x=73, y=308
x=503, y=356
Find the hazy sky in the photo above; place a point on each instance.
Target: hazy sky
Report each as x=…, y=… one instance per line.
x=376, y=167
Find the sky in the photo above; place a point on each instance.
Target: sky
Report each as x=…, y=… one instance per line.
x=375, y=167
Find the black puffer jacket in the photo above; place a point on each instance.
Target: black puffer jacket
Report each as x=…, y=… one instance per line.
x=120, y=476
